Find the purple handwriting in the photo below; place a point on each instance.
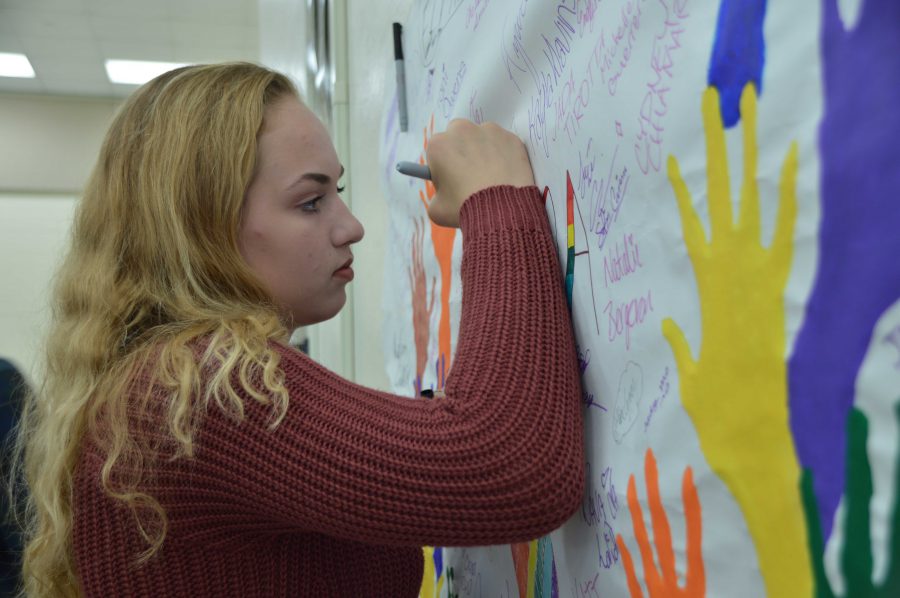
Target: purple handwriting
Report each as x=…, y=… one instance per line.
x=617, y=55
x=587, y=399
x=612, y=195
x=584, y=359
x=586, y=185
x=448, y=95
x=476, y=115
x=605, y=195
x=571, y=103
x=622, y=260
x=608, y=552
x=518, y=47
x=599, y=510
x=657, y=402
x=649, y=139
x=893, y=338
x=574, y=99
x=586, y=13
x=601, y=505
x=626, y=316
x=585, y=589
x=473, y=15
x=555, y=53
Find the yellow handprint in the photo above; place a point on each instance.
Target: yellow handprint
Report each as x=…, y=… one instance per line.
x=736, y=390
x=432, y=583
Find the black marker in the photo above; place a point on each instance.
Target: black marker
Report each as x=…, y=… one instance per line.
x=401, y=77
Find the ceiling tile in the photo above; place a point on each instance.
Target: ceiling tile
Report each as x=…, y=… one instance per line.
x=136, y=30
x=131, y=9
x=68, y=48
x=185, y=34
x=8, y=21
x=49, y=24
x=212, y=11
x=68, y=40
x=63, y=6
x=11, y=43
x=136, y=51
x=210, y=53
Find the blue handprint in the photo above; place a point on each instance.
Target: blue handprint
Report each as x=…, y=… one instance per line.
x=858, y=274
x=738, y=54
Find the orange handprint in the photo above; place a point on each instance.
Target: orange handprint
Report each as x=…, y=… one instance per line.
x=421, y=314
x=442, y=238
x=664, y=583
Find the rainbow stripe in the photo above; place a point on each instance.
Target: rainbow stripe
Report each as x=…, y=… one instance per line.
x=570, y=235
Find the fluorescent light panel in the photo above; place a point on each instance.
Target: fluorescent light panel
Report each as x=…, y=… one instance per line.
x=137, y=72
x=15, y=65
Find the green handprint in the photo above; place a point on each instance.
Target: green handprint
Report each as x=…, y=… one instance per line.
x=856, y=558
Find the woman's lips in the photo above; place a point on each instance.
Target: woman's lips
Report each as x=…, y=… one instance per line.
x=345, y=271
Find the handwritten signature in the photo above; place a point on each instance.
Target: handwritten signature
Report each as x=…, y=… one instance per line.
x=649, y=139
x=624, y=317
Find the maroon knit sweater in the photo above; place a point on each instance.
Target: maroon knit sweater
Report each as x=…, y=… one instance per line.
x=339, y=498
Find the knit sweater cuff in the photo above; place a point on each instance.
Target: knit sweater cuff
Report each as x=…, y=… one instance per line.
x=502, y=207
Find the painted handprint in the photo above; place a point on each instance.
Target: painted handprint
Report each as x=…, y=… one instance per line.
x=856, y=557
x=432, y=582
x=442, y=238
x=738, y=54
x=535, y=568
x=421, y=306
x=858, y=273
x=663, y=583
x=735, y=391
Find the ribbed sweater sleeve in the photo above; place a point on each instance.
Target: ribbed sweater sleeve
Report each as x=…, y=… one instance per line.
x=498, y=460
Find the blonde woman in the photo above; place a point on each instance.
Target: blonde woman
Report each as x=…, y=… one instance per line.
x=179, y=447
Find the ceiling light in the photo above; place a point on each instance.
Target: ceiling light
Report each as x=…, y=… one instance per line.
x=15, y=65
x=137, y=72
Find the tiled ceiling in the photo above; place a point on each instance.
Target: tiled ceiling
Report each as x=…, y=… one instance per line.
x=67, y=41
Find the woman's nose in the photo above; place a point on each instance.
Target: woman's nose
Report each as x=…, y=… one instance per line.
x=349, y=230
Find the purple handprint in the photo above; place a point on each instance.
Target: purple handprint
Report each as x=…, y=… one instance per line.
x=858, y=274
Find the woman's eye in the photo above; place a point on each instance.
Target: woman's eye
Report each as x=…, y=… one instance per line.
x=340, y=189
x=311, y=205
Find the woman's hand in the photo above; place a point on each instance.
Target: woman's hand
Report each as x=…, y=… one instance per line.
x=467, y=158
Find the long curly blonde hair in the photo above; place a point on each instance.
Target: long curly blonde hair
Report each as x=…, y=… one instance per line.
x=153, y=267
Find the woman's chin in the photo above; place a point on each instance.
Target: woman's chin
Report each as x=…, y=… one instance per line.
x=324, y=314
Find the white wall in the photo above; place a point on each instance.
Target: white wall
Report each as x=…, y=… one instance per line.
x=48, y=145
x=33, y=233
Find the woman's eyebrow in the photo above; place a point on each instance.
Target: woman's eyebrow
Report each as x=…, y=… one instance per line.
x=318, y=177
